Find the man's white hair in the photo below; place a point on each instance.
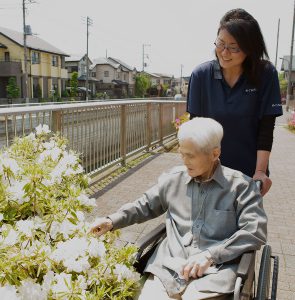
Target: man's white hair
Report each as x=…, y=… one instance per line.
x=205, y=133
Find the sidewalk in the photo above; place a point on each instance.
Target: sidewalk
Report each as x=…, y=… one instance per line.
x=279, y=203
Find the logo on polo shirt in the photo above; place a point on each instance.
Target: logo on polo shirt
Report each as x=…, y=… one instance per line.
x=254, y=90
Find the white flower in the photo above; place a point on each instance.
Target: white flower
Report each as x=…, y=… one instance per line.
x=49, y=145
x=47, y=280
x=9, y=163
x=42, y=129
x=53, y=153
x=30, y=290
x=26, y=227
x=69, y=159
x=30, y=137
x=66, y=228
x=96, y=248
x=69, y=172
x=80, y=216
x=124, y=273
x=17, y=191
x=11, y=239
x=73, y=248
x=62, y=283
x=1, y=217
x=82, y=282
x=85, y=200
x=8, y=292
x=79, y=265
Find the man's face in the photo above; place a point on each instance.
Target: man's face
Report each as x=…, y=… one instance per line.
x=198, y=164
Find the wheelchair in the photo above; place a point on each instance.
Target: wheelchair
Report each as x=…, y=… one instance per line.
x=245, y=286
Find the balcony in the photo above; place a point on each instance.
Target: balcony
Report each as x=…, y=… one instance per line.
x=10, y=68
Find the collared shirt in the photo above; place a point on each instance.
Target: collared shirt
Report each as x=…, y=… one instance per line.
x=238, y=109
x=224, y=214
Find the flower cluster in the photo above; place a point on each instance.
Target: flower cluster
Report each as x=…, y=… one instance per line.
x=291, y=121
x=182, y=119
x=46, y=250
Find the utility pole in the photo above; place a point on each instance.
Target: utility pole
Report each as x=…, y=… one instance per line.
x=89, y=23
x=26, y=89
x=144, y=55
x=25, y=33
x=181, y=66
x=278, y=33
x=290, y=96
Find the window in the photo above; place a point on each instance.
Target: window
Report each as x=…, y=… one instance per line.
x=74, y=69
x=125, y=76
x=93, y=74
x=6, y=56
x=106, y=74
x=54, y=61
x=35, y=57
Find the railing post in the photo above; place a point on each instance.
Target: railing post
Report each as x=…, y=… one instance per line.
x=148, y=125
x=123, y=136
x=56, y=121
x=177, y=109
x=161, y=125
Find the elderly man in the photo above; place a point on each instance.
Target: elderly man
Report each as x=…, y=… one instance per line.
x=213, y=215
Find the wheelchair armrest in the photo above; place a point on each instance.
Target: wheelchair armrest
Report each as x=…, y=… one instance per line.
x=245, y=265
x=151, y=237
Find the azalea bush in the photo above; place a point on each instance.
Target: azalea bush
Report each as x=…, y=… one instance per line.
x=46, y=250
x=180, y=120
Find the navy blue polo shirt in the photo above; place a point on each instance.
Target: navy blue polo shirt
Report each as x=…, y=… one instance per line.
x=237, y=109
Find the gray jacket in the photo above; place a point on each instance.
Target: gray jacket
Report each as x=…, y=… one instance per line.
x=224, y=214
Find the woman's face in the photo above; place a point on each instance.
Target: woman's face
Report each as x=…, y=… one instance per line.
x=228, y=59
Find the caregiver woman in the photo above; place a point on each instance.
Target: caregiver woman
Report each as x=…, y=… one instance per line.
x=240, y=90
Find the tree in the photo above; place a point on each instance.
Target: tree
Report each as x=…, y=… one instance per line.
x=74, y=84
x=38, y=91
x=142, y=83
x=283, y=84
x=12, y=89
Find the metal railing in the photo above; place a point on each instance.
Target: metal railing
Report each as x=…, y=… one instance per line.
x=103, y=133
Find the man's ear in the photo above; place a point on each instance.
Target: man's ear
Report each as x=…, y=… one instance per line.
x=216, y=153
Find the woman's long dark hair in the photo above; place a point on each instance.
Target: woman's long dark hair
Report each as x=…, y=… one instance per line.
x=246, y=31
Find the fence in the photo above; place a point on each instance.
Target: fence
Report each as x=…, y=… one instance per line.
x=104, y=133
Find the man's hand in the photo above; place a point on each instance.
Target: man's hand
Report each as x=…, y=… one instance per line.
x=197, y=265
x=101, y=226
x=266, y=181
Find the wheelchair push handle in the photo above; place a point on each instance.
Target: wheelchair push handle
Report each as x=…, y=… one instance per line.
x=259, y=184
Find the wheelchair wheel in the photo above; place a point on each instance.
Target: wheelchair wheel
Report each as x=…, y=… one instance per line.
x=264, y=274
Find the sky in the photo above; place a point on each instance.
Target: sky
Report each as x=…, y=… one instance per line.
x=177, y=34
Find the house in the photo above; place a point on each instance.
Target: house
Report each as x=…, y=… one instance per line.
x=158, y=81
x=79, y=64
x=45, y=65
x=114, y=77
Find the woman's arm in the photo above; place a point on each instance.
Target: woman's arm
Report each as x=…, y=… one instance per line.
x=261, y=170
x=264, y=145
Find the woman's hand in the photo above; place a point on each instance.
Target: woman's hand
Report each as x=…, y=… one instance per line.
x=101, y=225
x=197, y=265
x=265, y=180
